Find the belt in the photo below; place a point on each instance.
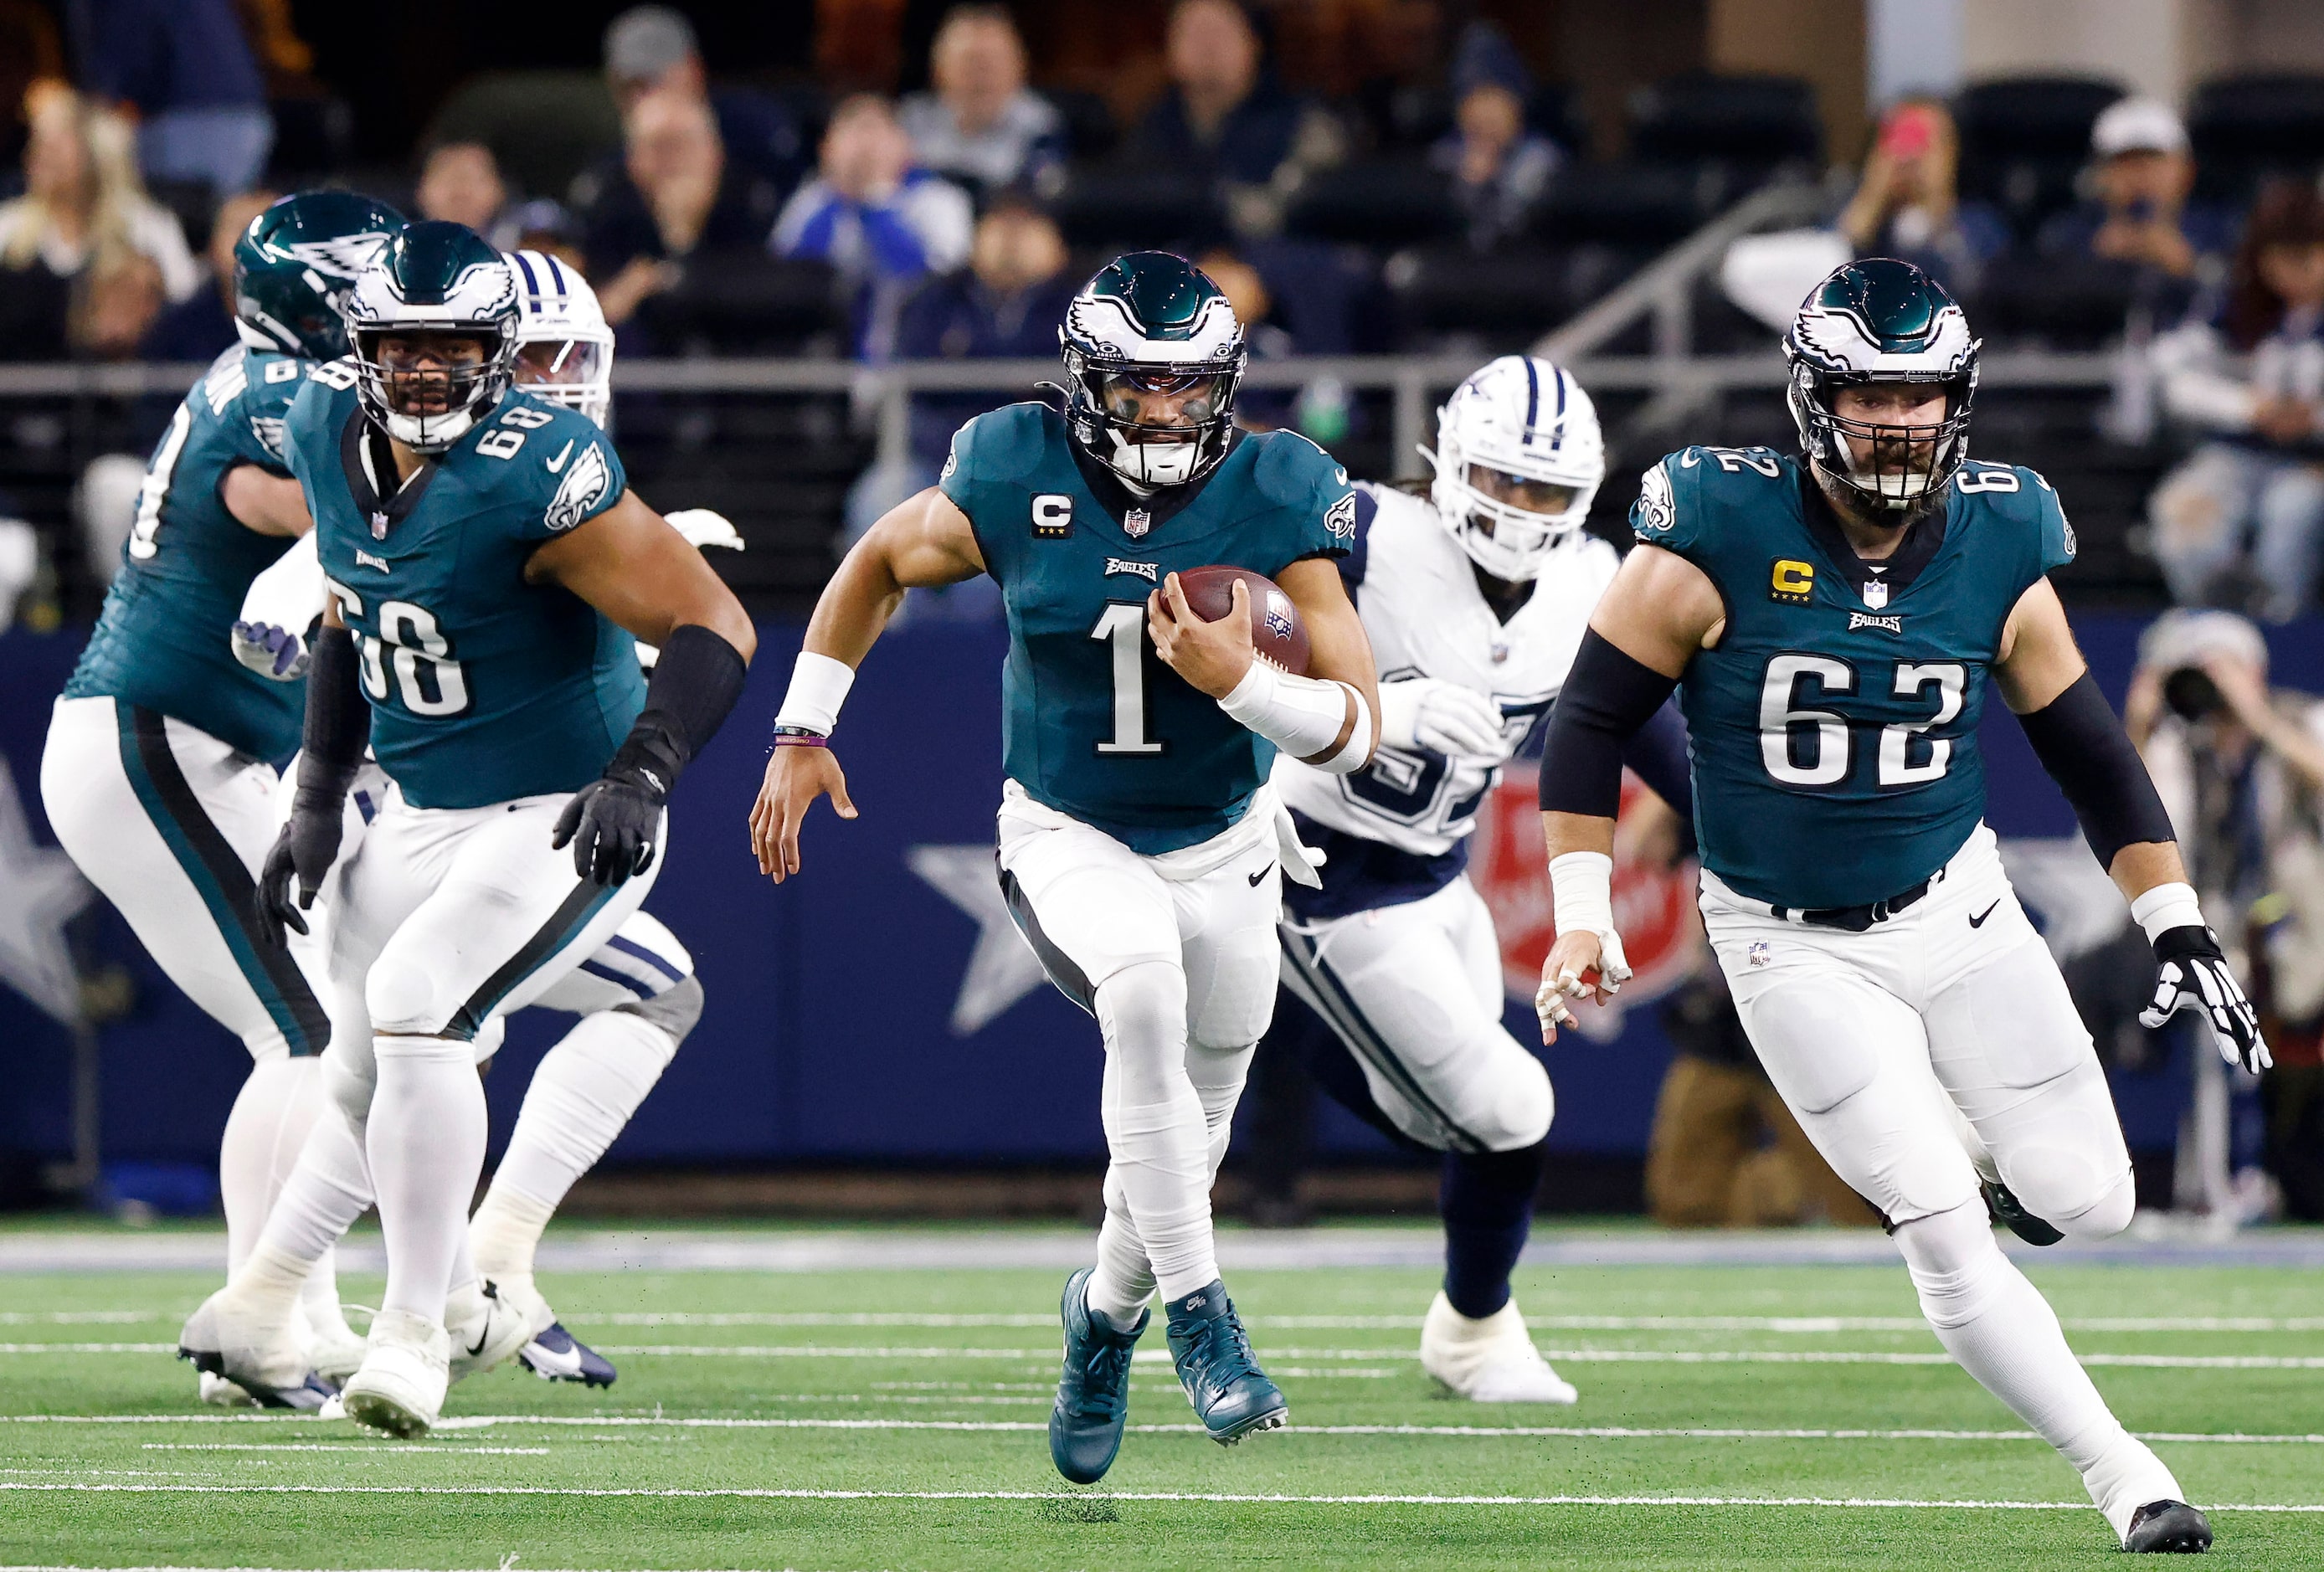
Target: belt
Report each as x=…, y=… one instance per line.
x=1853, y=919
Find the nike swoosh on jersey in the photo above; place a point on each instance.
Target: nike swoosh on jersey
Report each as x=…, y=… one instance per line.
x=1979, y=920
x=556, y=464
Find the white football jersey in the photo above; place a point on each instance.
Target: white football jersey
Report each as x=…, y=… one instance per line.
x=1417, y=595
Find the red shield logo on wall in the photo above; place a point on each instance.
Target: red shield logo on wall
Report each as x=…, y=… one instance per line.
x=1653, y=907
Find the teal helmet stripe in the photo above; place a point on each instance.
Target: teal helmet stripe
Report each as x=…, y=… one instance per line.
x=295, y=263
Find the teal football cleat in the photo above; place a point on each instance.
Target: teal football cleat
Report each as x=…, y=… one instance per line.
x=1232, y=1395
x=1093, y=1392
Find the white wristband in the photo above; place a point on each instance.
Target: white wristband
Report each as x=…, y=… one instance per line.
x=818, y=687
x=1303, y=716
x=1581, y=892
x=2167, y=906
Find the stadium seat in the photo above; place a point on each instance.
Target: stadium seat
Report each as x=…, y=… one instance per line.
x=192, y=203
x=1385, y=204
x=1620, y=204
x=2245, y=129
x=1500, y=300
x=1090, y=129
x=1735, y=132
x=2024, y=139
x=1123, y=208
x=2035, y=300
x=314, y=137
x=543, y=126
x=746, y=303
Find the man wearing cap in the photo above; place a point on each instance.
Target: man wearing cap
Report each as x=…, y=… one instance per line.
x=2140, y=175
x=653, y=47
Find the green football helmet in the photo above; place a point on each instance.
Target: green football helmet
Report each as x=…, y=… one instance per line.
x=1151, y=332
x=434, y=281
x=1878, y=321
x=295, y=263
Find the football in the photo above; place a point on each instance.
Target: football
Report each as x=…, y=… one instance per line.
x=1275, y=630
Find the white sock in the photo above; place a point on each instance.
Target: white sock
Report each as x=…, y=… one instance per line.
x=271, y=1116
x=581, y=1096
x=1155, y=1123
x=1124, y=1279
x=318, y=1295
x=426, y=1142
x=2001, y=1330
x=325, y=1194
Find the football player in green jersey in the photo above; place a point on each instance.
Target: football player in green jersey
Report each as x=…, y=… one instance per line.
x=158, y=775
x=489, y=573
x=1829, y=622
x=1140, y=845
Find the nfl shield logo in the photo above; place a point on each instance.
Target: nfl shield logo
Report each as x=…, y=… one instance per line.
x=1760, y=954
x=1136, y=522
x=1876, y=593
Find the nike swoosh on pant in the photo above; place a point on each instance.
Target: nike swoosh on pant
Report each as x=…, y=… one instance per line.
x=1262, y=873
x=1979, y=920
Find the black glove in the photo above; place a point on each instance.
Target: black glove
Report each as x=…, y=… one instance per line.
x=306, y=847
x=611, y=823
x=2191, y=974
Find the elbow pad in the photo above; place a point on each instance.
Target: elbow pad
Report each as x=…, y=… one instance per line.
x=2087, y=752
x=1327, y=724
x=1607, y=698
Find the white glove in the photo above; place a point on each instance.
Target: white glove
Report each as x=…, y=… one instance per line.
x=1300, y=860
x=1426, y=712
x=281, y=604
x=701, y=527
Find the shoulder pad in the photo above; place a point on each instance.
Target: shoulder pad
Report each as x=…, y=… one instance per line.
x=2024, y=501
x=1003, y=444
x=1290, y=471
x=1678, y=498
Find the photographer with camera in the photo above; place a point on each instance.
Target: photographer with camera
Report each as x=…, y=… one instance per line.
x=2240, y=767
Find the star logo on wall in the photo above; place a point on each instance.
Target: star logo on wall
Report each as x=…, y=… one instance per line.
x=1002, y=969
x=41, y=891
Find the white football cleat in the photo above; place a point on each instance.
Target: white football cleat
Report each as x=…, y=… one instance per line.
x=220, y=1393
x=400, y=1387
x=485, y=1328
x=1488, y=1361
x=334, y=1348
x=252, y=1340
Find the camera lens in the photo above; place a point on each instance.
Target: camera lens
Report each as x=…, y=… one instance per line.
x=2192, y=693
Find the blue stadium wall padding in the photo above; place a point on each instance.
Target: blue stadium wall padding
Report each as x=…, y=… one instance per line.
x=827, y=1035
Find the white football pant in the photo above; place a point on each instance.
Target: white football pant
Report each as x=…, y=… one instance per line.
x=1176, y=956
x=1414, y=992
x=1933, y=1042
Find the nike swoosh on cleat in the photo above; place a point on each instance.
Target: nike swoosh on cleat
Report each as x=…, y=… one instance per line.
x=556, y=464
x=1979, y=920
x=1262, y=873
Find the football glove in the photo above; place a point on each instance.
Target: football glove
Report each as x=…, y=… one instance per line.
x=269, y=650
x=704, y=527
x=305, y=849
x=611, y=824
x=2191, y=974
x=1424, y=711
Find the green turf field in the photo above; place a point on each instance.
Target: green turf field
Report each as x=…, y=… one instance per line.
x=1793, y=1416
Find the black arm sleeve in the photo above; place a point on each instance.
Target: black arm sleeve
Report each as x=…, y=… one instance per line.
x=2087, y=752
x=337, y=725
x=1607, y=698
x=1656, y=754
x=694, y=683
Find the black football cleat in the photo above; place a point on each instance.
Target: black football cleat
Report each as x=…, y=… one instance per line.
x=2010, y=1212
x=2168, y=1527
x=556, y=1355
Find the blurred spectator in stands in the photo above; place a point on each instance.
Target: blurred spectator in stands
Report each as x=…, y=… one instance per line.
x=2240, y=766
x=2241, y=522
x=1007, y=303
x=201, y=326
x=651, y=48
x=879, y=218
x=30, y=51
x=1499, y=169
x=1907, y=204
x=460, y=182
x=2138, y=210
x=84, y=232
x=983, y=127
x=1225, y=118
x=676, y=196
x=186, y=70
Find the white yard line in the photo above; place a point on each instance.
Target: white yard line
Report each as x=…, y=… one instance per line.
x=739, y=1492
x=1797, y=1325
x=342, y=1446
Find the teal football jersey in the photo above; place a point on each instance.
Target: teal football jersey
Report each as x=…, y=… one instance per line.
x=484, y=688
x=1093, y=724
x=1834, y=727
x=162, y=639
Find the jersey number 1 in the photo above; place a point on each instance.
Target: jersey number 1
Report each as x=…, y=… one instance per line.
x=1124, y=623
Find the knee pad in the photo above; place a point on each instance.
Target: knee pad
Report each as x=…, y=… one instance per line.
x=1142, y=1008
x=673, y=1010
x=2101, y=1218
x=401, y=997
x=1955, y=1263
x=1522, y=1107
x=2064, y=1189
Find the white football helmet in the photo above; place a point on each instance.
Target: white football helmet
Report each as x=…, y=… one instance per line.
x=1531, y=422
x=564, y=350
